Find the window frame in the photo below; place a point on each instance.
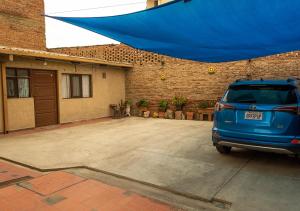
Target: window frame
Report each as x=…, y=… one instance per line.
x=71, y=75
x=16, y=81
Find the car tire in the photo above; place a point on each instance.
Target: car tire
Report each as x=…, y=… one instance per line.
x=223, y=149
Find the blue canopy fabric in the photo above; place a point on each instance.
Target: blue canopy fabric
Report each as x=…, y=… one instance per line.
x=205, y=30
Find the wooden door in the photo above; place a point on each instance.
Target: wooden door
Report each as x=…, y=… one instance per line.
x=44, y=91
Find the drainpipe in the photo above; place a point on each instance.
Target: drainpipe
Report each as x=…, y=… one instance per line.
x=4, y=98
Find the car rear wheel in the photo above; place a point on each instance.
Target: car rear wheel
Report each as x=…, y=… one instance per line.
x=223, y=149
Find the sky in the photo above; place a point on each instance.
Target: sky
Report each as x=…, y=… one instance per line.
x=59, y=34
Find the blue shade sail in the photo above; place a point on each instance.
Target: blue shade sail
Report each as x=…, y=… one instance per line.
x=205, y=30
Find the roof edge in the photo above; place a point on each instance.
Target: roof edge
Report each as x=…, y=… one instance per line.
x=58, y=56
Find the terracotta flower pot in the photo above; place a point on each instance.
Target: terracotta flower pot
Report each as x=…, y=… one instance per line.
x=178, y=115
x=147, y=114
x=189, y=115
x=155, y=115
x=161, y=114
x=169, y=114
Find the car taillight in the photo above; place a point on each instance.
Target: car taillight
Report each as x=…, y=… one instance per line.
x=295, y=141
x=292, y=109
x=222, y=106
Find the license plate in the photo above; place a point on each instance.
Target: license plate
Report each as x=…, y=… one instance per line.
x=253, y=115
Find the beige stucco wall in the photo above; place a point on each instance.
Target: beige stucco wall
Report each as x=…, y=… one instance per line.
x=105, y=92
x=20, y=113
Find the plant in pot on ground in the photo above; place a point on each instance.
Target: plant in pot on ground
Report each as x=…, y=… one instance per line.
x=203, y=105
x=190, y=114
x=179, y=102
x=155, y=115
x=143, y=107
x=163, y=106
x=205, y=110
x=128, y=107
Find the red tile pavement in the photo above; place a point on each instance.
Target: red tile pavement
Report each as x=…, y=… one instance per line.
x=94, y=195
x=62, y=191
x=9, y=172
x=51, y=183
x=16, y=198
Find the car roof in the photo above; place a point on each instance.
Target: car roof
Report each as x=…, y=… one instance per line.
x=291, y=82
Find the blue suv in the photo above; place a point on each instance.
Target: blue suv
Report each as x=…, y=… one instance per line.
x=259, y=115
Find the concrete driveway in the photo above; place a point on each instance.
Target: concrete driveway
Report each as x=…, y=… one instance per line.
x=174, y=155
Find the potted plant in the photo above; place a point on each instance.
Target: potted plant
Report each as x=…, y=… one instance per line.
x=128, y=107
x=179, y=102
x=205, y=111
x=143, y=104
x=169, y=114
x=155, y=115
x=146, y=114
x=163, y=106
x=143, y=107
x=189, y=115
x=203, y=105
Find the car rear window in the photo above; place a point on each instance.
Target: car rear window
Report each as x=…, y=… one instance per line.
x=261, y=94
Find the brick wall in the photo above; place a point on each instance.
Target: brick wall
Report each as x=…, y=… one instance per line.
x=183, y=77
x=150, y=3
x=21, y=24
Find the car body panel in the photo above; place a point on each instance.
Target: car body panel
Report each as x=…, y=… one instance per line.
x=273, y=129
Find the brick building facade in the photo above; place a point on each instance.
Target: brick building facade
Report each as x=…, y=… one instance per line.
x=22, y=24
x=155, y=77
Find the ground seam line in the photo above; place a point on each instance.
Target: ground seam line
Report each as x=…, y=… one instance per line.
x=229, y=180
x=84, y=180
x=20, y=185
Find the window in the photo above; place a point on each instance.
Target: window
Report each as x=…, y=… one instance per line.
x=261, y=94
x=66, y=92
x=17, y=83
x=76, y=89
x=155, y=3
x=76, y=86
